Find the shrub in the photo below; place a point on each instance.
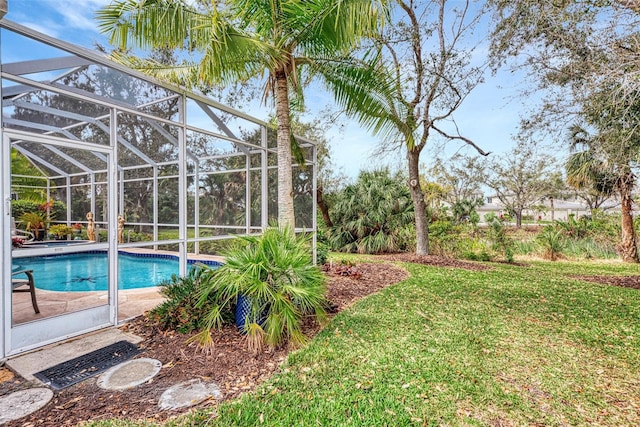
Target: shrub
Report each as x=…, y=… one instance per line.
x=322, y=253
x=370, y=215
x=443, y=237
x=60, y=230
x=181, y=310
x=550, y=238
x=276, y=274
x=460, y=241
x=57, y=209
x=497, y=235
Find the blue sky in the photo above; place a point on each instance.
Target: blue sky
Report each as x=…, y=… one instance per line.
x=489, y=116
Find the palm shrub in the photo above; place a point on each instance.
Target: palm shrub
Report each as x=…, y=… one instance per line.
x=372, y=215
x=498, y=238
x=550, y=238
x=276, y=274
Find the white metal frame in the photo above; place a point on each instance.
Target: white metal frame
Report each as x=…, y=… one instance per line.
x=22, y=79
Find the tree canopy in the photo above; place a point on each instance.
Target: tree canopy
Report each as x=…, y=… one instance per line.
x=285, y=41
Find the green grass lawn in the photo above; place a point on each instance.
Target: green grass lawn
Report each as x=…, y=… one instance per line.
x=509, y=346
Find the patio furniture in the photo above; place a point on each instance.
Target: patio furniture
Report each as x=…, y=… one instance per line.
x=25, y=285
x=24, y=234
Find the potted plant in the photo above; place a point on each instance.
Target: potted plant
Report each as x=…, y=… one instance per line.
x=60, y=231
x=17, y=242
x=35, y=223
x=274, y=276
x=77, y=229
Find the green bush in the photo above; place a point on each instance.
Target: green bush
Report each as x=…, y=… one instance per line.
x=322, y=253
x=443, y=238
x=215, y=247
x=57, y=210
x=474, y=249
x=276, y=274
x=498, y=238
x=550, y=238
x=182, y=311
x=370, y=215
x=456, y=240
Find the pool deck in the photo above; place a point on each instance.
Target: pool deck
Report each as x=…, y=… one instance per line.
x=131, y=302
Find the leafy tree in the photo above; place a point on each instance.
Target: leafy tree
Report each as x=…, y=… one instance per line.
x=569, y=49
x=24, y=178
x=416, y=75
x=239, y=40
x=520, y=178
x=371, y=215
x=584, y=55
x=465, y=209
x=434, y=194
x=461, y=176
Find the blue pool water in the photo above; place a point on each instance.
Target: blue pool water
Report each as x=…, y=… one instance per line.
x=89, y=271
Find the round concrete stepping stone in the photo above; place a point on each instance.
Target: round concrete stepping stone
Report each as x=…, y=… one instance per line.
x=129, y=374
x=187, y=394
x=22, y=403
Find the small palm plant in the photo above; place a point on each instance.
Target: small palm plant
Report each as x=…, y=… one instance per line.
x=550, y=238
x=275, y=273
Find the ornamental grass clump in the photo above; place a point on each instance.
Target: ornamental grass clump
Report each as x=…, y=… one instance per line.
x=275, y=273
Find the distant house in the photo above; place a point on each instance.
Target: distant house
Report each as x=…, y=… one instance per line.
x=562, y=209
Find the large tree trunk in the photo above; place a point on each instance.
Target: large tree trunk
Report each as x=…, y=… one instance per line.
x=419, y=205
x=628, y=249
x=285, y=181
x=324, y=209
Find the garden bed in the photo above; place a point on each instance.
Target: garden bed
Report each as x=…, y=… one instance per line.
x=230, y=364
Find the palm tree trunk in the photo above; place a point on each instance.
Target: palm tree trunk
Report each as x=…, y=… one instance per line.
x=285, y=181
x=419, y=205
x=628, y=249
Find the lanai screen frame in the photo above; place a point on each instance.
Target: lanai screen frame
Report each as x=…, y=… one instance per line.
x=17, y=74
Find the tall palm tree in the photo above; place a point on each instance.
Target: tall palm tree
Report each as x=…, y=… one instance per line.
x=238, y=40
x=593, y=165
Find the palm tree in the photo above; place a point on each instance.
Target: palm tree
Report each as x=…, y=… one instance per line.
x=371, y=215
x=592, y=165
x=239, y=40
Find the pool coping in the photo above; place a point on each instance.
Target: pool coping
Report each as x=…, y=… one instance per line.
x=191, y=258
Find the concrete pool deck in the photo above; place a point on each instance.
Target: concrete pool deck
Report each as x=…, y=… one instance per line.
x=131, y=303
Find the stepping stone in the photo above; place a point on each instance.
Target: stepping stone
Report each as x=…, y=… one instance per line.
x=22, y=403
x=187, y=394
x=129, y=374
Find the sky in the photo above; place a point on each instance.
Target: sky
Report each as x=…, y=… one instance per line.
x=489, y=116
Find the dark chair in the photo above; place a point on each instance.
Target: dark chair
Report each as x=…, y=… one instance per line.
x=18, y=285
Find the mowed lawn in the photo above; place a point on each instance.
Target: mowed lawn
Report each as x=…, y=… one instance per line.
x=514, y=345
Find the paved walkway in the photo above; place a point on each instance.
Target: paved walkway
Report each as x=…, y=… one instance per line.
x=129, y=374
x=124, y=376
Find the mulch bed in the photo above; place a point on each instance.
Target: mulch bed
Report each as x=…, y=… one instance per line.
x=622, y=281
x=230, y=365
x=436, y=261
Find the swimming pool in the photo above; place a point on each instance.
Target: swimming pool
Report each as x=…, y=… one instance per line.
x=87, y=271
